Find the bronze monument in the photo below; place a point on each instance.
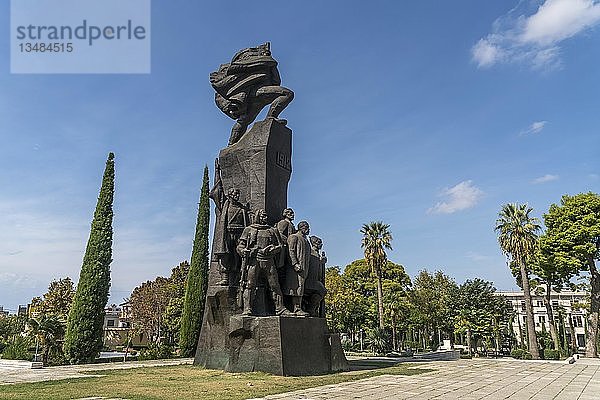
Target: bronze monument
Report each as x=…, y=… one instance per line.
x=261, y=264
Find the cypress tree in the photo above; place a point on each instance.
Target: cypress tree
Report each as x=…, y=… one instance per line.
x=84, y=337
x=197, y=280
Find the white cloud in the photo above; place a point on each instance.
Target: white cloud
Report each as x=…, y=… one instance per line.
x=557, y=20
x=534, y=36
x=39, y=244
x=485, y=53
x=545, y=178
x=534, y=128
x=17, y=280
x=471, y=255
x=460, y=197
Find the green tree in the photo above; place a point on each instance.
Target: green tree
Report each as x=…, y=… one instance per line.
x=573, y=240
x=11, y=326
x=197, y=282
x=478, y=312
x=172, y=314
x=376, y=239
x=48, y=330
x=551, y=276
x=83, y=340
x=149, y=302
x=517, y=236
x=346, y=309
x=57, y=300
x=429, y=302
x=359, y=280
x=157, y=305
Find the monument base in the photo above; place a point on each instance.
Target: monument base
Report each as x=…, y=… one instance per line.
x=284, y=346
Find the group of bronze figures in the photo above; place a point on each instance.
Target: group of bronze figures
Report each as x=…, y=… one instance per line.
x=252, y=254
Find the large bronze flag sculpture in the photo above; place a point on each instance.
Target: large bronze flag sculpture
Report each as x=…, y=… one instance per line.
x=264, y=306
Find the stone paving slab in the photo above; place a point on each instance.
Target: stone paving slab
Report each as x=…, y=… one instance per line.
x=12, y=375
x=471, y=380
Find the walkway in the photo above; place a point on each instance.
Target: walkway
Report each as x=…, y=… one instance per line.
x=18, y=374
x=471, y=380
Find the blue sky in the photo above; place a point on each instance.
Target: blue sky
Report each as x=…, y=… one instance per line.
x=427, y=115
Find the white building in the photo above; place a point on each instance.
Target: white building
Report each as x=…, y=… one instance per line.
x=118, y=329
x=116, y=316
x=568, y=305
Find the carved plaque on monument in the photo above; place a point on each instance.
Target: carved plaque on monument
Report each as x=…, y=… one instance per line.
x=259, y=165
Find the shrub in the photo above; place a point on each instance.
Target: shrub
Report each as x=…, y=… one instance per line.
x=517, y=353
x=57, y=357
x=156, y=352
x=17, y=349
x=550, y=354
x=520, y=354
x=347, y=345
x=378, y=340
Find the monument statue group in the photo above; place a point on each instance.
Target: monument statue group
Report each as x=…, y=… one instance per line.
x=265, y=306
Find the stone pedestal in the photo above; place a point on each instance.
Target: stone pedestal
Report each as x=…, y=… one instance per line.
x=212, y=351
x=260, y=166
x=277, y=345
x=283, y=346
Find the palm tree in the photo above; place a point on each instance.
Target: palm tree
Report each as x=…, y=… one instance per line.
x=48, y=330
x=376, y=239
x=517, y=236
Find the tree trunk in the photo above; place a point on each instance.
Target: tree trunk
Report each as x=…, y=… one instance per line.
x=496, y=337
x=45, y=355
x=573, y=343
x=380, y=299
x=394, y=346
x=531, y=334
x=469, y=342
x=548, y=304
x=591, y=349
x=563, y=328
x=521, y=333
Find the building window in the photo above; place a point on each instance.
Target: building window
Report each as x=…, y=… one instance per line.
x=540, y=303
x=525, y=320
x=580, y=340
x=110, y=323
x=554, y=303
x=577, y=321
x=523, y=305
x=542, y=319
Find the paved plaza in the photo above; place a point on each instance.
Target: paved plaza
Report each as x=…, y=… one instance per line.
x=471, y=380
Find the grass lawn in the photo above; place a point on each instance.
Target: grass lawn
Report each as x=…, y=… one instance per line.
x=183, y=382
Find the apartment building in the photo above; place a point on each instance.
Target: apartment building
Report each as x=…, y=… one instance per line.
x=566, y=305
